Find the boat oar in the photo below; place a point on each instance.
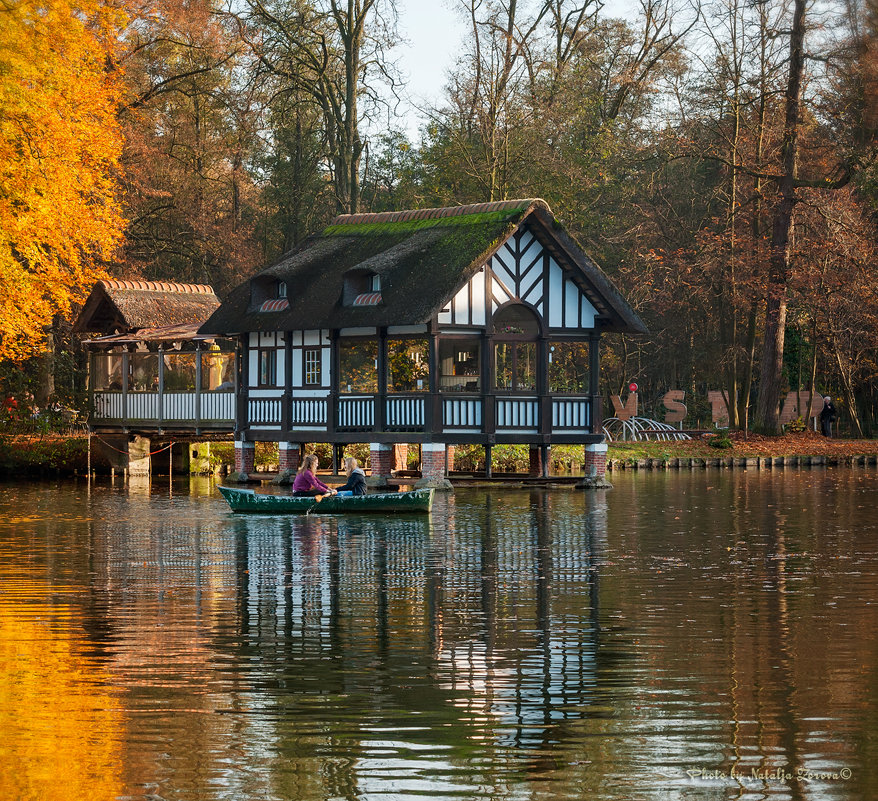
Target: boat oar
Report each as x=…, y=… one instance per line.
x=317, y=499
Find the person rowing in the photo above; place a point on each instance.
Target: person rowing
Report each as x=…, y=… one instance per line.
x=307, y=483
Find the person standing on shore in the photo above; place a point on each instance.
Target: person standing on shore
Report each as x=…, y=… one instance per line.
x=828, y=416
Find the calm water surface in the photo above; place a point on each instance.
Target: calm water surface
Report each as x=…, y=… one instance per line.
x=706, y=635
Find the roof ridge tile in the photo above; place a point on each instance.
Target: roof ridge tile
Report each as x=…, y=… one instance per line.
x=156, y=286
x=438, y=213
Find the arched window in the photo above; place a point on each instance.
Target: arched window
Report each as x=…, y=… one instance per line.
x=516, y=331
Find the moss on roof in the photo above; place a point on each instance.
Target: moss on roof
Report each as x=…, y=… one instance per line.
x=410, y=226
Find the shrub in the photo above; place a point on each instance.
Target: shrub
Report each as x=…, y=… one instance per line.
x=720, y=439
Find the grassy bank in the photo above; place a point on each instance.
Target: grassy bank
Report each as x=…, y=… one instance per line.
x=58, y=454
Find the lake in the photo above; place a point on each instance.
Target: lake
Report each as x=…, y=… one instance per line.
x=692, y=635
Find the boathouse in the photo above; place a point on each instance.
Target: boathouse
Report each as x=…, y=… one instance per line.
x=151, y=374
x=470, y=324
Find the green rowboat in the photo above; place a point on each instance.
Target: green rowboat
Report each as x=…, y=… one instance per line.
x=246, y=500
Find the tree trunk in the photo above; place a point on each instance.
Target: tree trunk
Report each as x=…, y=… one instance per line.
x=771, y=369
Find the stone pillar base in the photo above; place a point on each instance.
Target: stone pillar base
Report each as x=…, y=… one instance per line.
x=381, y=457
x=595, y=467
x=245, y=460
x=138, y=456
x=287, y=463
x=199, y=458
x=400, y=457
x=433, y=455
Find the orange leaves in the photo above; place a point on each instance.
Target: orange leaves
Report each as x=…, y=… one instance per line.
x=59, y=149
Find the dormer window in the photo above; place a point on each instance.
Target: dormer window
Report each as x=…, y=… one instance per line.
x=269, y=294
x=361, y=288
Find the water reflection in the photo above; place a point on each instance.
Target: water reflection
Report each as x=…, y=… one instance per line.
x=523, y=644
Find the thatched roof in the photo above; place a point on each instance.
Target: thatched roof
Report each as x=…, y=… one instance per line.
x=422, y=257
x=128, y=306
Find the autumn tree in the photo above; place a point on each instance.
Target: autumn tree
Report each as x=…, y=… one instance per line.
x=59, y=151
x=331, y=54
x=193, y=122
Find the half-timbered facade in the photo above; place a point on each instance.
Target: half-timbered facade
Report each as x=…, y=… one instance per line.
x=473, y=324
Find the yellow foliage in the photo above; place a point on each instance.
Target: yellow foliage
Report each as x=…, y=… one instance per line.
x=59, y=148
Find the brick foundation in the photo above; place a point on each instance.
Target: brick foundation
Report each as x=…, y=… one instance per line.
x=400, y=457
x=288, y=457
x=381, y=458
x=245, y=456
x=433, y=461
x=449, y=450
x=433, y=456
x=595, y=466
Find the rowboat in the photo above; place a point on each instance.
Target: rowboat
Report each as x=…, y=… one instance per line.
x=247, y=500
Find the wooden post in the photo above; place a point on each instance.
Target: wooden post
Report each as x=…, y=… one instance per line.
x=125, y=368
x=242, y=383
x=433, y=412
x=161, y=415
x=287, y=410
x=489, y=425
x=381, y=411
x=545, y=402
x=334, y=383
x=594, y=374
x=198, y=387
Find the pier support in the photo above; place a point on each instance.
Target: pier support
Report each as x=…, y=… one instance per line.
x=400, y=457
x=538, y=461
x=433, y=461
x=381, y=457
x=288, y=456
x=245, y=460
x=139, y=463
x=595, y=467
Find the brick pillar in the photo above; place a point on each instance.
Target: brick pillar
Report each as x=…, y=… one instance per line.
x=288, y=457
x=381, y=457
x=245, y=458
x=400, y=457
x=433, y=456
x=449, y=450
x=595, y=466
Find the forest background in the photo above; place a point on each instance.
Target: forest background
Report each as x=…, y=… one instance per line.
x=718, y=159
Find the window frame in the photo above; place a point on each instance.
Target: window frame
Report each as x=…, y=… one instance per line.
x=271, y=352
x=312, y=349
x=515, y=343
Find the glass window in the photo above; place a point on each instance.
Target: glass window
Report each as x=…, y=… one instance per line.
x=107, y=372
x=143, y=372
x=515, y=366
x=313, y=359
x=503, y=358
x=568, y=367
x=180, y=372
x=460, y=365
x=516, y=320
x=408, y=365
x=268, y=367
x=217, y=370
x=358, y=365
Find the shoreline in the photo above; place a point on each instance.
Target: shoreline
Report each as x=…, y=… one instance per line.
x=25, y=455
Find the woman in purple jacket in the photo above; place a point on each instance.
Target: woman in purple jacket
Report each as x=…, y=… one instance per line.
x=306, y=482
